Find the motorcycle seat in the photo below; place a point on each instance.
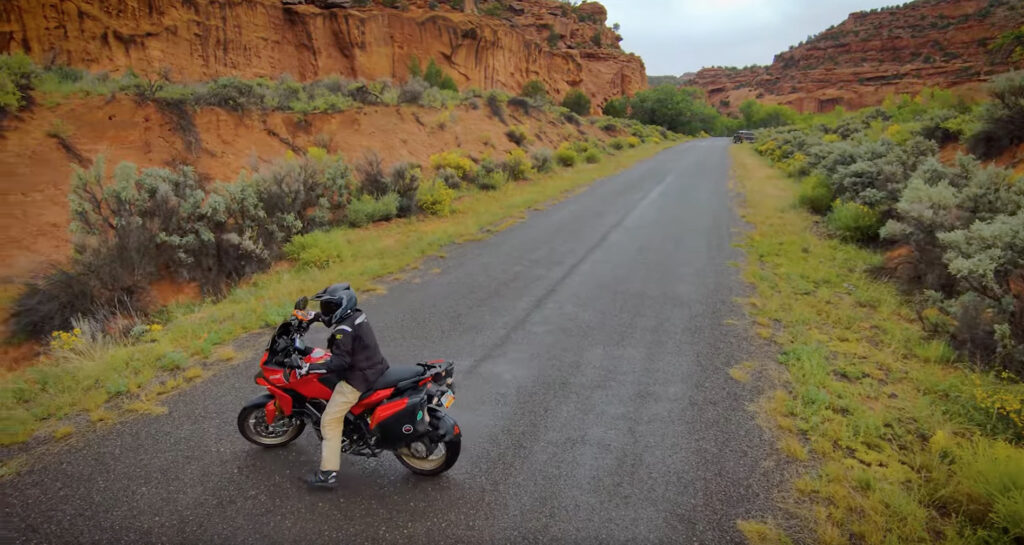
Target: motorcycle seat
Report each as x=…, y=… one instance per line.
x=396, y=374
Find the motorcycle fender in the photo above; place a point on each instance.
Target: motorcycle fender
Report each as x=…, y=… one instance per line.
x=270, y=409
x=265, y=401
x=284, y=401
x=445, y=427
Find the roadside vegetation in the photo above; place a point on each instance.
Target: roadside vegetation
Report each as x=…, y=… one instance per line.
x=958, y=227
x=252, y=244
x=685, y=110
x=903, y=409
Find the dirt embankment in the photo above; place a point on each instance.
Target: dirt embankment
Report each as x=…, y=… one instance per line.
x=873, y=54
x=202, y=39
x=36, y=167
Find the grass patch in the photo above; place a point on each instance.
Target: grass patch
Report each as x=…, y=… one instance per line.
x=62, y=432
x=904, y=446
x=193, y=331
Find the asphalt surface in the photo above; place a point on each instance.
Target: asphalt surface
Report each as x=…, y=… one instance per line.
x=592, y=391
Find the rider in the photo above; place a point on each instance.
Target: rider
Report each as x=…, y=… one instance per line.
x=356, y=362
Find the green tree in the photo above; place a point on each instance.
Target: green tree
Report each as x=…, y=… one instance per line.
x=577, y=101
x=434, y=75
x=415, y=70
x=617, y=107
x=758, y=116
x=683, y=110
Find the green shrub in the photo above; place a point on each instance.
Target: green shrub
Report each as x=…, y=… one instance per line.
x=517, y=135
x=815, y=194
x=366, y=209
x=853, y=222
x=404, y=180
x=496, y=101
x=617, y=144
x=543, y=160
x=138, y=226
x=632, y=141
x=577, y=102
x=454, y=161
x=16, y=73
x=1000, y=123
x=493, y=9
x=490, y=180
x=517, y=165
x=233, y=93
x=435, y=198
x=535, y=89
x=617, y=107
x=566, y=156
x=592, y=156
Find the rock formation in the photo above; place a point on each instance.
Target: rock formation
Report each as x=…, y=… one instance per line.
x=562, y=46
x=873, y=54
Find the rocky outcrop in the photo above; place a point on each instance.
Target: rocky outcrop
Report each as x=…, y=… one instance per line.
x=203, y=39
x=873, y=54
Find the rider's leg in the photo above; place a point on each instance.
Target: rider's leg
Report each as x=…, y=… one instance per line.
x=332, y=425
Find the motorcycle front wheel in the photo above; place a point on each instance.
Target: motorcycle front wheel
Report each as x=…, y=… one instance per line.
x=252, y=424
x=436, y=463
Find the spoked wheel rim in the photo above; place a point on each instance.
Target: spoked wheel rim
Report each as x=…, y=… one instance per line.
x=434, y=461
x=281, y=431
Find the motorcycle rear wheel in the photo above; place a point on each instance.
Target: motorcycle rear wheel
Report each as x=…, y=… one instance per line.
x=441, y=460
x=252, y=424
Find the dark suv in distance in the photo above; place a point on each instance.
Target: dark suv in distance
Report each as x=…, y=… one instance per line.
x=743, y=136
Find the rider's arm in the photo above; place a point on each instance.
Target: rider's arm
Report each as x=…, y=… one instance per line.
x=340, y=345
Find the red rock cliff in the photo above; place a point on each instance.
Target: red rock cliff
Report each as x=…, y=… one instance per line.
x=202, y=39
x=927, y=43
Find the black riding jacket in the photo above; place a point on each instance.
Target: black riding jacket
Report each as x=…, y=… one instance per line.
x=355, y=356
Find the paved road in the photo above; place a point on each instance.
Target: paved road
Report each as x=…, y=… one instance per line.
x=592, y=393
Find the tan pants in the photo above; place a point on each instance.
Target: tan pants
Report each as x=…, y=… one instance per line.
x=332, y=425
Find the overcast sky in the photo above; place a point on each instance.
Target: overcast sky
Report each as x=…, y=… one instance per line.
x=678, y=36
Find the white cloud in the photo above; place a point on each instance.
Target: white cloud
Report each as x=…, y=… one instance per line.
x=677, y=36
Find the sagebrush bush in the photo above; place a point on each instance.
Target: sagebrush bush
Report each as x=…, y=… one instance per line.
x=592, y=156
x=449, y=177
x=491, y=180
x=143, y=225
x=566, y=156
x=517, y=165
x=404, y=180
x=815, y=194
x=496, y=101
x=367, y=209
x=517, y=135
x=853, y=221
x=632, y=141
x=543, y=160
x=617, y=143
x=455, y=161
x=435, y=198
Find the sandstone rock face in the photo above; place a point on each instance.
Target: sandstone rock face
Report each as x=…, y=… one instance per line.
x=203, y=39
x=928, y=43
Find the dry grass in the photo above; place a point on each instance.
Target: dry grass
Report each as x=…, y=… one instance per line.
x=902, y=447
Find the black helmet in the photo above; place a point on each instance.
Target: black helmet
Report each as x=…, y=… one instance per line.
x=336, y=302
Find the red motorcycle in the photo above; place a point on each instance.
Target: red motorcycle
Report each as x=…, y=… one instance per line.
x=403, y=412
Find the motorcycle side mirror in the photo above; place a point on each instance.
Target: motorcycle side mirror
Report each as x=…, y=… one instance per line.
x=301, y=304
